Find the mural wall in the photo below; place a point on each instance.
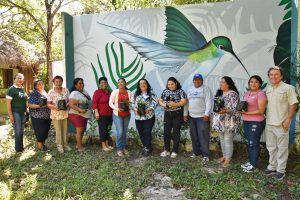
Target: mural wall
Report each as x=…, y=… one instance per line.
x=236, y=39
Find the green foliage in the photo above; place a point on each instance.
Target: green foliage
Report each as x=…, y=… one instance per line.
x=19, y=20
x=181, y=2
x=42, y=74
x=92, y=126
x=132, y=73
x=287, y=8
x=94, y=6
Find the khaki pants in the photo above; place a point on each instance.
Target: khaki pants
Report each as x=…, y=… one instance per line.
x=61, y=128
x=277, y=141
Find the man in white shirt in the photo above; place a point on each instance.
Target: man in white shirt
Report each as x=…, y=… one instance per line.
x=281, y=107
x=196, y=112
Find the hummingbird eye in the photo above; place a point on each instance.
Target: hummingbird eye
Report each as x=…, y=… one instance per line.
x=220, y=46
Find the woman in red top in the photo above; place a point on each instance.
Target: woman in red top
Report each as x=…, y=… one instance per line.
x=103, y=112
x=119, y=101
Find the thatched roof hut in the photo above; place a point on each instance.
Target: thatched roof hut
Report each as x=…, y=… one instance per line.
x=16, y=53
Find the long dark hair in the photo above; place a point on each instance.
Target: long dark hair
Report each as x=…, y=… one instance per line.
x=231, y=85
x=138, y=89
x=76, y=80
x=174, y=80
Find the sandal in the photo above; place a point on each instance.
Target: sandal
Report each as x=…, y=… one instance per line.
x=81, y=149
x=226, y=163
x=221, y=160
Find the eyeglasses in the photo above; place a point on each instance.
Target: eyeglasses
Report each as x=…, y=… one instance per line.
x=19, y=78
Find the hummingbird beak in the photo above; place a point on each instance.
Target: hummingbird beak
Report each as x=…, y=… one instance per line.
x=240, y=62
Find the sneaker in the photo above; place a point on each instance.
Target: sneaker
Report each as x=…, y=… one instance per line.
x=110, y=147
x=221, y=160
x=250, y=168
x=68, y=148
x=193, y=156
x=125, y=151
x=120, y=153
x=146, y=152
x=173, y=155
x=268, y=172
x=279, y=176
x=165, y=153
x=60, y=149
x=245, y=165
x=205, y=160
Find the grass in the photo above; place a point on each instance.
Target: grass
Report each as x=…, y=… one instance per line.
x=102, y=175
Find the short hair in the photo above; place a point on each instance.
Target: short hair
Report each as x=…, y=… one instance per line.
x=258, y=78
x=19, y=74
x=57, y=77
x=102, y=79
x=35, y=82
x=275, y=68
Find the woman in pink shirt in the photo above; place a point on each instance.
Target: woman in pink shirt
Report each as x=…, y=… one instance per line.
x=254, y=121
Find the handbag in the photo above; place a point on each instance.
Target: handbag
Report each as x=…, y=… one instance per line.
x=84, y=106
x=242, y=106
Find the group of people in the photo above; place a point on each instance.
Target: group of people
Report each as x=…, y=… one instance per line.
x=271, y=111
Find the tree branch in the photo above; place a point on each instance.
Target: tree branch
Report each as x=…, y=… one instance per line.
x=28, y=13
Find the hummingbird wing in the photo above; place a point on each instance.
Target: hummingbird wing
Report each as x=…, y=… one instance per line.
x=181, y=34
x=161, y=55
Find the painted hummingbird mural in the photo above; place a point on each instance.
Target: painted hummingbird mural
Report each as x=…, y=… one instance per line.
x=183, y=43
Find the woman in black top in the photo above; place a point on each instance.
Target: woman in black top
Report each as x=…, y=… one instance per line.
x=172, y=99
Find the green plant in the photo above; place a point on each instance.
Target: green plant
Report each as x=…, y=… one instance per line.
x=132, y=73
x=42, y=74
x=92, y=127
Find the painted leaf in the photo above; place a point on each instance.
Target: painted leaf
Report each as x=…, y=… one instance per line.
x=178, y=26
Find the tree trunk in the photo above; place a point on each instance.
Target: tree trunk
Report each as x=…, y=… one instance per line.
x=49, y=63
x=48, y=41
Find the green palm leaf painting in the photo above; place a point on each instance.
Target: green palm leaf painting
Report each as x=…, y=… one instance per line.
x=116, y=63
x=282, y=51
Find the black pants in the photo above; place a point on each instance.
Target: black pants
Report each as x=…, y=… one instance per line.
x=172, y=121
x=41, y=128
x=104, y=123
x=144, y=128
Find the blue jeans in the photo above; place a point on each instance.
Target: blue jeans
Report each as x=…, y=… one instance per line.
x=144, y=128
x=121, y=124
x=19, y=125
x=253, y=131
x=199, y=130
